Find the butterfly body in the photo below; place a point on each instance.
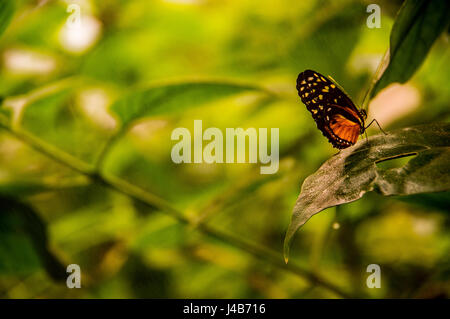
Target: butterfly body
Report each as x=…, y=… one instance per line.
x=333, y=111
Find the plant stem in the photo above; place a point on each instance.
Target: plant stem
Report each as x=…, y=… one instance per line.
x=374, y=80
x=153, y=201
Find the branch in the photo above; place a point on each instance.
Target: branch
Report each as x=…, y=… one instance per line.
x=152, y=201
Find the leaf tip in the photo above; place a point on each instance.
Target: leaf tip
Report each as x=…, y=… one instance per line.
x=286, y=252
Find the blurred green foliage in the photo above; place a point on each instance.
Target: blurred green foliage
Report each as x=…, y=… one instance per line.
x=150, y=228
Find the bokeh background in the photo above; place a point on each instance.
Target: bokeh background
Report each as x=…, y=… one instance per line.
x=60, y=82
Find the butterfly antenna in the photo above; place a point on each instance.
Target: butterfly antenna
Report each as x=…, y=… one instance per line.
x=378, y=124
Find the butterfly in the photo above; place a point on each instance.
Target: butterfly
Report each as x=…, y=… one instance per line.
x=334, y=112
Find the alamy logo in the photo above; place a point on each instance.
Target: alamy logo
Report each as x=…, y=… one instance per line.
x=374, y=19
x=74, y=279
x=74, y=20
x=214, y=152
x=374, y=280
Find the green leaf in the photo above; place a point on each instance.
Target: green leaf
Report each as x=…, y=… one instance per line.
x=351, y=173
x=56, y=105
x=6, y=13
x=170, y=98
x=41, y=104
x=23, y=241
x=417, y=26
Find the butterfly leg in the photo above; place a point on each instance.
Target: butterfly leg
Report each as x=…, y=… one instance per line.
x=378, y=124
x=367, y=138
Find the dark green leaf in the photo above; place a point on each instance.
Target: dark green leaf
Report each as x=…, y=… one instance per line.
x=23, y=243
x=351, y=173
x=417, y=26
x=435, y=201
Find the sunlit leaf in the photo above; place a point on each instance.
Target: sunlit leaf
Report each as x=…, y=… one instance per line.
x=351, y=173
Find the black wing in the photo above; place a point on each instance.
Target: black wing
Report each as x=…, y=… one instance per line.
x=327, y=102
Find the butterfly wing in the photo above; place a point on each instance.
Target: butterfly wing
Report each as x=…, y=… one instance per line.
x=316, y=84
x=342, y=132
x=333, y=111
